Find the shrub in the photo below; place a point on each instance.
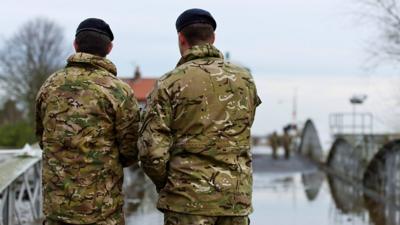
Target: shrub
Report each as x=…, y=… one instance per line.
x=16, y=135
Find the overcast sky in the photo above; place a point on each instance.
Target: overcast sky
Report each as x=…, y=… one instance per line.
x=286, y=37
x=286, y=43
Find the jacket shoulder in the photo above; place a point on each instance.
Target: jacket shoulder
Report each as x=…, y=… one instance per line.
x=122, y=84
x=241, y=71
x=52, y=81
x=176, y=73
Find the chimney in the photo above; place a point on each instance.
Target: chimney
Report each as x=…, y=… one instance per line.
x=227, y=56
x=137, y=75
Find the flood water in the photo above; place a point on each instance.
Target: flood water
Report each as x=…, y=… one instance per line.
x=286, y=192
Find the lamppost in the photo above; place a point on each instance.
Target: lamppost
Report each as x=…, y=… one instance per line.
x=356, y=100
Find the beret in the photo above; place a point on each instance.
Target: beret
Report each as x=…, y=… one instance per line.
x=192, y=16
x=97, y=25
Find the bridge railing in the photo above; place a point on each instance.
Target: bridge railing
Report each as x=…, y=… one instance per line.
x=20, y=187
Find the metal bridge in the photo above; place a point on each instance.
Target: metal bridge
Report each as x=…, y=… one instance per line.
x=20, y=186
x=363, y=166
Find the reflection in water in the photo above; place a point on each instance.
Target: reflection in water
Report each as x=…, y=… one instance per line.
x=140, y=199
x=347, y=198
x=280, y=198
x=297, y=199
x=312, y=184
x=383, y=178
x=382, y=212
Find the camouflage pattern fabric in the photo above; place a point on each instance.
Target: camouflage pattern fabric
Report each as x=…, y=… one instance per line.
x=195, y=139
x=171, y=218
x=87, y=124
x=115, y=219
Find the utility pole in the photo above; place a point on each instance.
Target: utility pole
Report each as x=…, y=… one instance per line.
x=294, y=110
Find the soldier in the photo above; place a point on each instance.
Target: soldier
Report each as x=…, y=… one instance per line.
x=87, y=124
x=195, y=139
x=286, y=142
x=273, y=140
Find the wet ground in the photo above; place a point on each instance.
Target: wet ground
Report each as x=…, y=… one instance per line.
x=288, y=192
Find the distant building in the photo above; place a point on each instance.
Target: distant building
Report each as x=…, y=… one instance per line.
x=141, y=86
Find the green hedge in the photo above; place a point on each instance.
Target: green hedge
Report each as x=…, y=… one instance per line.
x=16, y=135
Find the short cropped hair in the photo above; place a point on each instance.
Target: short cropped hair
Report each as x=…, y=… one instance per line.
x=198, y=33
x=93, y=43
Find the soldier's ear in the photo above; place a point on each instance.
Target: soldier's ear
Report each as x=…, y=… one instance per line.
x=182, y=39
x=75, y=46
x=109, y=48
x=183, y=44
x=212, y=39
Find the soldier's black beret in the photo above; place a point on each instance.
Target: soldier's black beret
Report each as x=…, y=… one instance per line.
x=192, y=16
x=97, y=25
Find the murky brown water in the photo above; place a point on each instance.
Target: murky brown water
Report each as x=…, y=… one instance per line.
x=301, y=195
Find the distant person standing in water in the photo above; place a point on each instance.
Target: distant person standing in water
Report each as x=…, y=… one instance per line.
x=286, y=142
x=273, y=141
x=87, y=123
x=195, y=138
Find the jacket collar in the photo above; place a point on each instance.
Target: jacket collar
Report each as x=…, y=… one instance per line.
x=199, y=52
x=93, y=60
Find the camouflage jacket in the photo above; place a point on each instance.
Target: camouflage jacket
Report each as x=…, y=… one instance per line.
x=195, y=139
x=87, y=124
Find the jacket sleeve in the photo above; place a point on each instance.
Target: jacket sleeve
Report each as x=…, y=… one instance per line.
x=256, y=101
x=127, y=129
x=156, y=138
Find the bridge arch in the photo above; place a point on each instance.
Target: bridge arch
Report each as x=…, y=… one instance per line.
x=310, y=145
x=345, y=161
x=383, y=172
x=382, y=177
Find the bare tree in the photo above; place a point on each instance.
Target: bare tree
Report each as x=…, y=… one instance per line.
x=386, y=49
x=34, y=52
x=10, y=113
x=387, y=15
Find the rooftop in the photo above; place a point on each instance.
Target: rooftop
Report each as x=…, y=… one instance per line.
x=140, y=86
